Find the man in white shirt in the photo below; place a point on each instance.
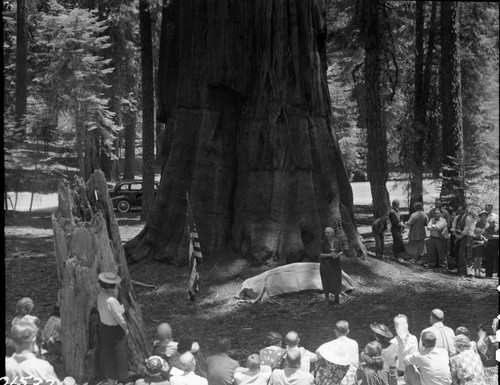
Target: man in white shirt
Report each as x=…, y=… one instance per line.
x=436, y=245
x=291, y=375
x=432, y=362
x=306, y=357
x=254, y=373
x=23, y=363
x=445, y=336
x=187, y=376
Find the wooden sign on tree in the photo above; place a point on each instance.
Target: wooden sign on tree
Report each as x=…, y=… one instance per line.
x=87, y=242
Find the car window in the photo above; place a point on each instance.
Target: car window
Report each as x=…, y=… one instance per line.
x=136, y=186
x=123, y=187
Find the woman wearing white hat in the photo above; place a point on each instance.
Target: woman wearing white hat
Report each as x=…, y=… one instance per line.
x=112, y=330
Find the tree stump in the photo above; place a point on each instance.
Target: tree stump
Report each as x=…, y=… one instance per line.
x=87, y=242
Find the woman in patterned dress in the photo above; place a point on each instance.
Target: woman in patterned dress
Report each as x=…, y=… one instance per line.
x=329, y=265
x=466, y=367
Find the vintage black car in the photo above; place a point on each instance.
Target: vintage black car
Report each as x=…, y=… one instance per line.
x=127, y=194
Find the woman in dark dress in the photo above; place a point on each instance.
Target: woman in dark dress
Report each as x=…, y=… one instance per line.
x=329, y=265
x=397, y=228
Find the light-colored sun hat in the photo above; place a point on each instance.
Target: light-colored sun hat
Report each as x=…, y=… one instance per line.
x=109, y=277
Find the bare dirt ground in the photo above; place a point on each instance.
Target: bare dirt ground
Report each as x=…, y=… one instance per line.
x=384, y=288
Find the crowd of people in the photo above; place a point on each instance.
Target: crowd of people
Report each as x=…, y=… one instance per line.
x=440, y=356
x=443, y=238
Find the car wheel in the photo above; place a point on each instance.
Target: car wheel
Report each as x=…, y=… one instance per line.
x=123, y=206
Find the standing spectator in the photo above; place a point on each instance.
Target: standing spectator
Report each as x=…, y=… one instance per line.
x=306, y=357
x=406, y=344
x=379, y=227
x=445, y=336
x=338, y=359
x=478, y=242
x=372, y=369
x=416, y=236
x=220, y=367
x=273, y=353
x=254, y=373
x=330, y=269
x=461, y=228
x=466, y=367
x=112, y=330
x=187, y=375
x=438, y=205
x=432, y=362
x=156, y=369
x=487, y=344
x=164, y=347
x=24, y=363
x=436, y=246
x=291, y=374
x=451, y=244
x=493, y=241
x=397, y=229
x=389, y=350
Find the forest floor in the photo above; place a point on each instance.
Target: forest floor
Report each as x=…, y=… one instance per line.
x=384, y=288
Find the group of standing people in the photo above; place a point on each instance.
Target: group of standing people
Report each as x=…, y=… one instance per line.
x=440, y=233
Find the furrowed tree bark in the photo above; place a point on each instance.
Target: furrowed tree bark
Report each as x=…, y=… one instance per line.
x=87, y=242
x=243, y=91
x=376, y=129
x=21, y=65
x=148, y=109
x=453, y=189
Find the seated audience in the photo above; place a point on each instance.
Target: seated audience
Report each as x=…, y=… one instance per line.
x=372, y=369
x=24, y=363
x=220, y=367
x=187, y=375
x=389, y=351
x=466, y=366
x=445, y=336
x=51, y=333
x=406, y=344
x=272, y=354
x=487, y=344
x=156, y=369
x=291, y=374
x=462, y=330
x=338, y=359
x=254, y=373
x=24, y=307
x=432, y=363
x=292, y=341
x=187, y=345
x=164, y=347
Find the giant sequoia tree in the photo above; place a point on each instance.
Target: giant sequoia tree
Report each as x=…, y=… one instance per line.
x=453, y=189
x=243, y=89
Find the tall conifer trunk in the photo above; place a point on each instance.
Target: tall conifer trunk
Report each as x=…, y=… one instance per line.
x=21, y=63
x=376, y=129
x=452, y=190
x=243, y=90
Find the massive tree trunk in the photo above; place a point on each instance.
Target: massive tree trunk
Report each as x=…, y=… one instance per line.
x=129, y=139
x=148, y=109
x=376, y=129
x=452, y=190
x=422, y=89
x=244, y=90
x=87, y=242
x=21, y=64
